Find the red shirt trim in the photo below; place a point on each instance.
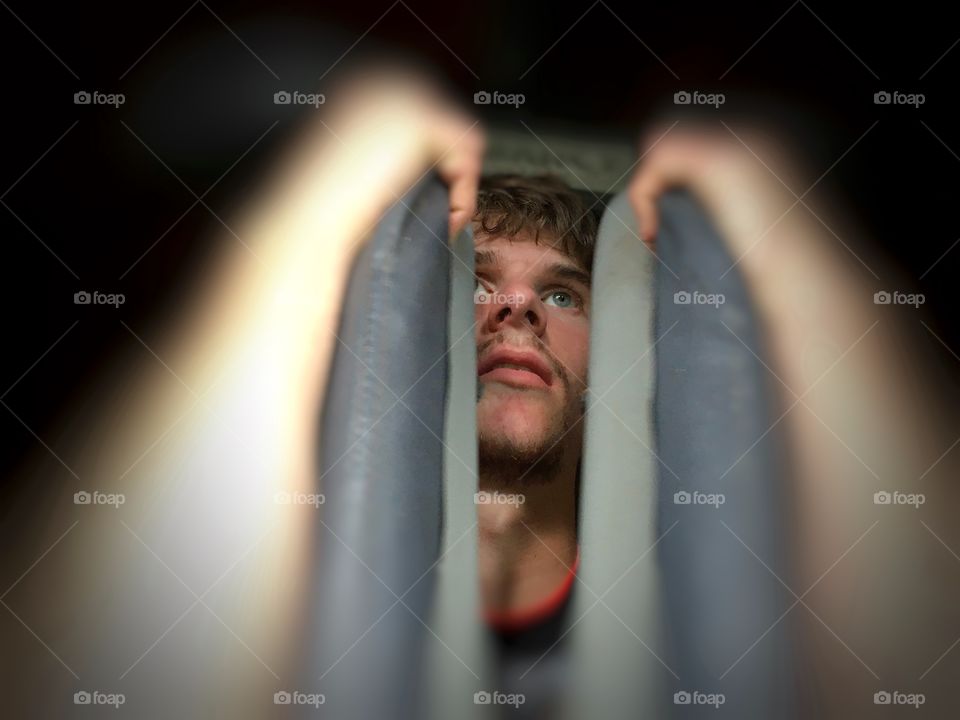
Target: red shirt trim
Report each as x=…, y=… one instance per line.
x=515, y=620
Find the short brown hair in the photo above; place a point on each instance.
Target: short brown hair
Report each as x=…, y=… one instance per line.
x=510, y=204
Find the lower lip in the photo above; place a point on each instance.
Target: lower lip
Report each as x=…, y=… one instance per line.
x=515, y=378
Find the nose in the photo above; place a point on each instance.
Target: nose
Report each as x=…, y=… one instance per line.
x=515, y=305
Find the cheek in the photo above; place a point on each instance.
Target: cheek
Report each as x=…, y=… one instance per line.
x=571, y=345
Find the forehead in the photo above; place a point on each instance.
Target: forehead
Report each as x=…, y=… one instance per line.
x=501, y=250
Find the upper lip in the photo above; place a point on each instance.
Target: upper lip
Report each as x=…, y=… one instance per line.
x=530, y=361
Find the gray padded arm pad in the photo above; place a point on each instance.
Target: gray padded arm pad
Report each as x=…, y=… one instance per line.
x=615, y=644
x=716, y=435
x=381, y=465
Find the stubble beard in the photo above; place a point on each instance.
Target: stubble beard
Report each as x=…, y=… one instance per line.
x=508, y=462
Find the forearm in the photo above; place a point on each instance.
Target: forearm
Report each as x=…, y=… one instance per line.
x=833, y=349
x=858, y=416
x=218, y=413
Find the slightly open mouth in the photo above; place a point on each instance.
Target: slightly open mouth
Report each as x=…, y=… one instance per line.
x=514, y=375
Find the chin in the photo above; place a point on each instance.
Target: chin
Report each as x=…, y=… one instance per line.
x=515, y=408
x=514, y=421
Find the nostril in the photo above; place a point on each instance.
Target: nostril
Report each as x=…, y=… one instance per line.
x=531, y=317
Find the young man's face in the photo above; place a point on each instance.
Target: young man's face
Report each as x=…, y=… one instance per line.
x=533, y=333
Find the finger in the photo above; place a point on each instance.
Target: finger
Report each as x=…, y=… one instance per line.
x=462, y=174
x=460, y=166
x=643, y=193
x=650, y=181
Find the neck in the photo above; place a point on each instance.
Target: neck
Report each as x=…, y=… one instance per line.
x=527, y=537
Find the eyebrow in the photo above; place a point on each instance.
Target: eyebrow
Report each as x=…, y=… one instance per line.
x=486, y=257
x=565, y=271
x=562, y=270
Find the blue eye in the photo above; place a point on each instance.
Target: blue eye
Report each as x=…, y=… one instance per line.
x=561, y=298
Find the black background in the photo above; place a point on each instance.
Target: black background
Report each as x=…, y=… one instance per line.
x=199, y=97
